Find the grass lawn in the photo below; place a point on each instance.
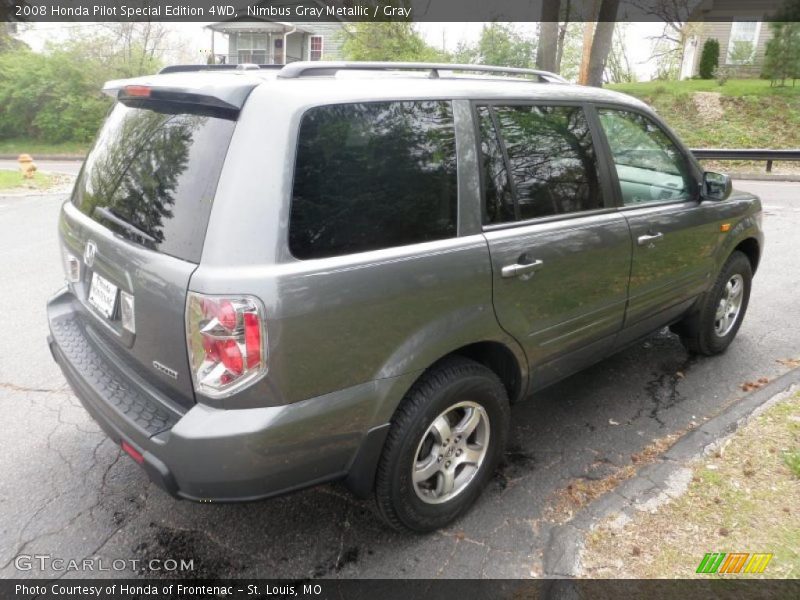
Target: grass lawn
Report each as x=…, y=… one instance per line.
x=745, y=498
x=751, y=113
x=13, y=180
x=733, y=87
x=17, y=146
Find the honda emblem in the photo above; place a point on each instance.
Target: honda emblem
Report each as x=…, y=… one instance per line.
x=89, y=253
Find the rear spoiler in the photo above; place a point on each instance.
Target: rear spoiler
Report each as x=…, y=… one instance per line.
x=227, y=96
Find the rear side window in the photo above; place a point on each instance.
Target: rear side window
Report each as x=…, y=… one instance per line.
x=151, y=177
x=373, y=175
x=537, y=161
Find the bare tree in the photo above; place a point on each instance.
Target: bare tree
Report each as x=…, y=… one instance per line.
x=548, y=35
x=138, y=45
x=618, y=67
x=669, y=45
x=601, y=44
x=562, y=35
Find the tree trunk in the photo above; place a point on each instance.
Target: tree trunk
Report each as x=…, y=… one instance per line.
x=601, y=44
x=562, y=35
x=548, y=35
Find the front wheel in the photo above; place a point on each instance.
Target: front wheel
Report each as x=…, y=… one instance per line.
x=444, y=444
x=723, y=309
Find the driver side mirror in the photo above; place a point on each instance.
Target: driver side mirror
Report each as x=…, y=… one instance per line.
x=716, y=186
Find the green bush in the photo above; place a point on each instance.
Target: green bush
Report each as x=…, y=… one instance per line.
x=709, y=59
x=722, y=74
x=782, y=58
x=56, y=96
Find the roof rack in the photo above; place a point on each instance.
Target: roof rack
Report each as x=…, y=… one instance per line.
x=300, y=69
x=239, y=67
x=296, y=70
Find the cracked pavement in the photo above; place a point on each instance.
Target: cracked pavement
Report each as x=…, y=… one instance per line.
x=69, y=492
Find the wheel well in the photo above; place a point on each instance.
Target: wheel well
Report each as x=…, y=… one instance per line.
x=498, y=358
x=751, y=250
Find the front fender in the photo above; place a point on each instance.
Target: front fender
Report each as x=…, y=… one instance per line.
x=747, y=225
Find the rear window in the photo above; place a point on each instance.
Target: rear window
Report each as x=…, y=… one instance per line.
x=373, y=175
x=151, y=177
x=538, y=161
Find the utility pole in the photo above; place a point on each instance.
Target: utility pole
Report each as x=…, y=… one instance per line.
x=588, y=37
x=588, y=34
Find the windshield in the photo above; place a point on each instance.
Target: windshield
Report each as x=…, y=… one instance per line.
x=151, y=177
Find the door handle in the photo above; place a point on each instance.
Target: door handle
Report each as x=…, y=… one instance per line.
x=645, y=240
x=518, y=269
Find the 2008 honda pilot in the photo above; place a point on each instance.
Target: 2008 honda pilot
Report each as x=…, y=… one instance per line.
x=280, y=277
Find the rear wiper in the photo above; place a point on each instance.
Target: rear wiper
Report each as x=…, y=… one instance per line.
x=110, y=216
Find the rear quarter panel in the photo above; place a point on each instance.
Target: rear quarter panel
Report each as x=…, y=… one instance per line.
x=336, y=322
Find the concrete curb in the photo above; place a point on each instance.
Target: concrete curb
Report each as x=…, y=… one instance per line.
x=657, y=482
x=76, y=157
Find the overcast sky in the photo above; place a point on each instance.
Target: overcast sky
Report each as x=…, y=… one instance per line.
x=194, y=39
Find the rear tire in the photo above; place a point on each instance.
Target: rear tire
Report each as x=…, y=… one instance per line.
x=711, y=330
x=444, y=444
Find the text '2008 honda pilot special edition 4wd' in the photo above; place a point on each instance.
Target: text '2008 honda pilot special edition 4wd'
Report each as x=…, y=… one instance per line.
x=280, y=277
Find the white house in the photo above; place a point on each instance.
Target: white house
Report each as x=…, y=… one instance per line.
x=263, y=40
x=732, y=24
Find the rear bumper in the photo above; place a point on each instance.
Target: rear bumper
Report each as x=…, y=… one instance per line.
x=211, y=454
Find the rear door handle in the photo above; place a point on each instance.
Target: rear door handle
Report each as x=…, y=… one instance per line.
x=646, y=240
x=518, y=269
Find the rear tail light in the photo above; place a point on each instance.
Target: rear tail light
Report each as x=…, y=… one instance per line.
x=227, y=341
x=138, y=91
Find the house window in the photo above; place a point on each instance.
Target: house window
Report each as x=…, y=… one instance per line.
x=315, y=48
x=251, y=48
x=742, y=43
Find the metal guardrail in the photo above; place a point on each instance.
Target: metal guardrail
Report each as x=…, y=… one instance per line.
x=758, y=154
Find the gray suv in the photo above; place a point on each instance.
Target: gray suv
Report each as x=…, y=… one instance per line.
x=282, y=277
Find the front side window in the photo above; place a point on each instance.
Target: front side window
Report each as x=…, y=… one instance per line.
x=538, y=161
x=373, y=175
x=650, y=167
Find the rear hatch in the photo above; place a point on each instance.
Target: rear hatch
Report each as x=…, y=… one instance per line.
x=137, y=219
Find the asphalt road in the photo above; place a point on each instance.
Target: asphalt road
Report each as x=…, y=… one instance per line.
x=67, y=491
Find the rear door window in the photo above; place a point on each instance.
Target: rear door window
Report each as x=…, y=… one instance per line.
x=373, y=175
x=537, y=161
x=151, y=177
